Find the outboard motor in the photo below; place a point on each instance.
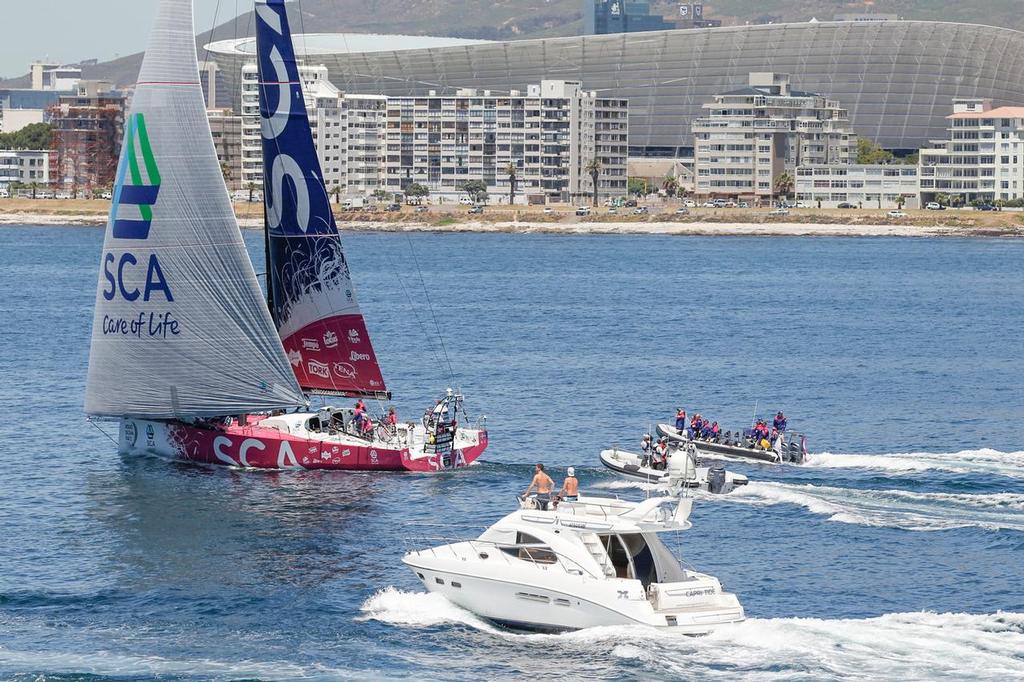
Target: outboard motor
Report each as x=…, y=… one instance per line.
x=794, y=453
x=716, y=480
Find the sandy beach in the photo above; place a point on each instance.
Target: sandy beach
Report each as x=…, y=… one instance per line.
x=532, y=220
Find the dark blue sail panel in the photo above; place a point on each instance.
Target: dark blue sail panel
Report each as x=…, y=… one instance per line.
x=311, y=290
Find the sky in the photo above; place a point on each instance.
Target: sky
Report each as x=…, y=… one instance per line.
x=73, y=30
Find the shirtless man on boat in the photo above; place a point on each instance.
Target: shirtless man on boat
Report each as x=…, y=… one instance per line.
x=544, y=485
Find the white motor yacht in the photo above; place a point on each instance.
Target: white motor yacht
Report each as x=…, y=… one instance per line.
x=596, y=561
x=680, y=471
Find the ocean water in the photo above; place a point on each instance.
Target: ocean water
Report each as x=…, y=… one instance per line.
x=896, y=552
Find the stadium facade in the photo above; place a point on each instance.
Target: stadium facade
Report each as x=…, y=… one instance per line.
x=896, y=78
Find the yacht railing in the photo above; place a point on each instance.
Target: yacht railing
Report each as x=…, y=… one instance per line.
x=446, y=544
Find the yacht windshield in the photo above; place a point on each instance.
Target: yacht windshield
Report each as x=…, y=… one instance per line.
x=530, y=548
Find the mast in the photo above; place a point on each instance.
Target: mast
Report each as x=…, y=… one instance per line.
x=308, y=279
x=180, y=328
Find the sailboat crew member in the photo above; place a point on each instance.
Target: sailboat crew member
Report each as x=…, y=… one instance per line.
x=645, y=450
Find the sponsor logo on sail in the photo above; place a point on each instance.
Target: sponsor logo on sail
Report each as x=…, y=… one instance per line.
x=310, y=344
x=295, y=357
x=150, y=436
x=355, y=357
x=330, y=339
x=319, y=369
x=344, y=370
x=353, y=336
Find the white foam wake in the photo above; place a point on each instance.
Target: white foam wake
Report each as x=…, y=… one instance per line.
x=1009, y=464
x=893, y=508
x=908, y=646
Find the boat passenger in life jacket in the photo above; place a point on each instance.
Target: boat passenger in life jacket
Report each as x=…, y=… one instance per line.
x=716, y=431
x=645, y=450
x=705, y=429
x=359, y=415
x=660, y=454
x=680, y=420
x=780, y=421
x=694, y=429
x=392, y=418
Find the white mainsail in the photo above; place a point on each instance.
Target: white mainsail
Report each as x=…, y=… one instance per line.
x=180, y=327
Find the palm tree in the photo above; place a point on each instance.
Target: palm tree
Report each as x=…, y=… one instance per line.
x=34, y=186
x=252, y=187
x=783, y=185
x=594, y=170
x=511, y=171
x=671, y=186
x=336, y=193
x=225, y=170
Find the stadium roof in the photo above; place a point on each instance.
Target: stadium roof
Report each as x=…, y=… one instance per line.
x=311, y=44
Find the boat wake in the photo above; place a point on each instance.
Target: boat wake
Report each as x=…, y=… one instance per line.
x=917, y=645
x=985, y=460
x=893, y=508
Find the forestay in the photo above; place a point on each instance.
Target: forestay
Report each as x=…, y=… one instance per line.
x=313, y=300
x=180, y=326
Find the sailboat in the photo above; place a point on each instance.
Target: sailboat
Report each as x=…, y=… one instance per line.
x=185, y=350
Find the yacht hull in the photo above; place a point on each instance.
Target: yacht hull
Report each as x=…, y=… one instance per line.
x=562, y=603
x=722, y=450
x=261, y=447
x=627, y=464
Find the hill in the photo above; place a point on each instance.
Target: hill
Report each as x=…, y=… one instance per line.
x=516, y=19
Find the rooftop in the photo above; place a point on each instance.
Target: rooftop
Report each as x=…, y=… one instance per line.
x=998, y=112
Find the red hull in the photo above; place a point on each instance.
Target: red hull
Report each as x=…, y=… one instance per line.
x=258, y=447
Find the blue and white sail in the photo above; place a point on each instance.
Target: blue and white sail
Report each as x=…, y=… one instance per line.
x=312, y=296
x=180, y=327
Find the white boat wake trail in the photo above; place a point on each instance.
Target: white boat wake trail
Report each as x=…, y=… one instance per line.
x=1009, y=464
x=892, y=508
x=907, y=646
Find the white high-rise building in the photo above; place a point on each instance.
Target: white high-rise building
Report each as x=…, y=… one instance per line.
x=749, y=137
x=983, y=159
x=550, y=134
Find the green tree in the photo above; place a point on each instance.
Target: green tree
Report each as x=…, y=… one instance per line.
x=380, y=194
x=336, y=193
x=225, y=171
x=476, y=190
x=941, y=199
x=636, y=186
x=671, y=186
x=511, y=171
x=783, y=185
x=594, y=170
x=252, y=187
x=32, y=136
x=870, y=152
x=417, y=191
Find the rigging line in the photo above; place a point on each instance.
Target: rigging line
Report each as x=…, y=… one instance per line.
x=213, y=28
x=430, y=306
x=97, y=426
x=412, y=304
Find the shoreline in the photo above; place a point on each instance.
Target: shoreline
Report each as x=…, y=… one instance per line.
x=800, y=223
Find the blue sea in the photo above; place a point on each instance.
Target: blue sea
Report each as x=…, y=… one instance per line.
x=897, y=552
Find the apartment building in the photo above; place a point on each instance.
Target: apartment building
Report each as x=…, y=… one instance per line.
x=748, y=138
x=25, y=167
x=226, y=130
x=86, y=140
x=983, y=159
x=861, y=185
x=550, y=135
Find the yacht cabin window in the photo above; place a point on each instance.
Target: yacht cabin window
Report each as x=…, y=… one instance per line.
x=530, y=548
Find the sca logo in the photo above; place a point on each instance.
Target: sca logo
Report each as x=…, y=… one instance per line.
x=131, y=217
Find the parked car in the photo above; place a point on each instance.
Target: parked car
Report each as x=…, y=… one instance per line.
x=896, y=213
x=709, y=204
x=613, y=211
x=640, y=210
x=421, y=209
x=394, y=208
x=985, y=207
x=846, y=204
x=682, y=211
x=690, y=203
x=934, y=206
x=728, y=204
x=801, y=204
x=106, y=195
x=465, y=201
x=779, y=211
x=630, y=203
x=548, y=210
x=476, y=210
x=743, y=204
x=582, y=210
